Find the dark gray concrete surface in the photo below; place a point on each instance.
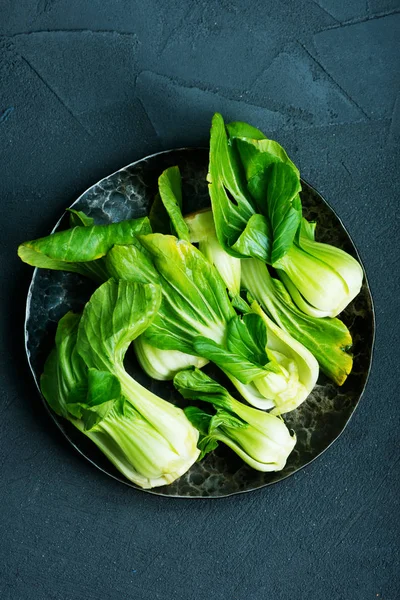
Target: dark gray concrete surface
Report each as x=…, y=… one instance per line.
x=88, y=86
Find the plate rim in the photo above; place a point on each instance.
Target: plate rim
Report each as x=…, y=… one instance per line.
x=57, y=420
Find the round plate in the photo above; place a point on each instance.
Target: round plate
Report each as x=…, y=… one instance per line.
x=127, y=194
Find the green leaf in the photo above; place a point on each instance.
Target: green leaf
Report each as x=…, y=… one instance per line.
x=206, y=445
x=273, y=181
x=283, y=208
x=235, y=364
x=222, y=418
x=257, y=155
x=240, y=305
x=132, y=263
x=202, y=420
x=102, y=386
x=82, y=244
x=231, y=204
x=208, y=426
x=243, y=355
x=103, y=390
x=238, y=129
x=194, y=296
x=117, y=313
x=78, y=217
x=170, y=189
x=259, y=220
x=247, y=335
x=196, y=385
x=259, y=438
x=75, y=249
x=65, y=374
x=198, y=418
x=255, y=240
x=275, y=185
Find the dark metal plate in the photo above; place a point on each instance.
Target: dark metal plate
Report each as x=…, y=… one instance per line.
x=128, y=193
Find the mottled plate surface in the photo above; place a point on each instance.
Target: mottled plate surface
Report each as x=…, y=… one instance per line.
x=128, y=193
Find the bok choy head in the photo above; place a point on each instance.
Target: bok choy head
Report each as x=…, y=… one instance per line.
x=268, y=367
x=262, y=440
x=194, y=297
x=321, y=279
x=148, y=439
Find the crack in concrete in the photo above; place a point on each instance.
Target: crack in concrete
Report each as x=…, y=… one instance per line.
x=147, y=115
x=54, y=93
x=359, y=20
x=325, y=10
x=174, y=30
x=346, y=94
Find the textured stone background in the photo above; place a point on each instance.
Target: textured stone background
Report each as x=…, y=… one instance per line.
x=88, y=86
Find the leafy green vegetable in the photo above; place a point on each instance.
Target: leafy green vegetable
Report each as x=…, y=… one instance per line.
x=78, y=217
x=284, y=388
x=239, y=129
x=268, y=209
x=268, y=367
x=201, y=420
x=262, y=440
x=232, y=205
x=321, y=279
x=65, y=374
x=195, y=301
x=167, y=346
x=170, y=190
x=274, y=182
x=257, y=153
x=80, y=248
x=158, y=363
x=327, y=339
x=148, y=439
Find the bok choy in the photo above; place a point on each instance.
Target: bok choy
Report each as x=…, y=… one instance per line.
x=254, y=190
x=148, y=439
x=260, y=439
